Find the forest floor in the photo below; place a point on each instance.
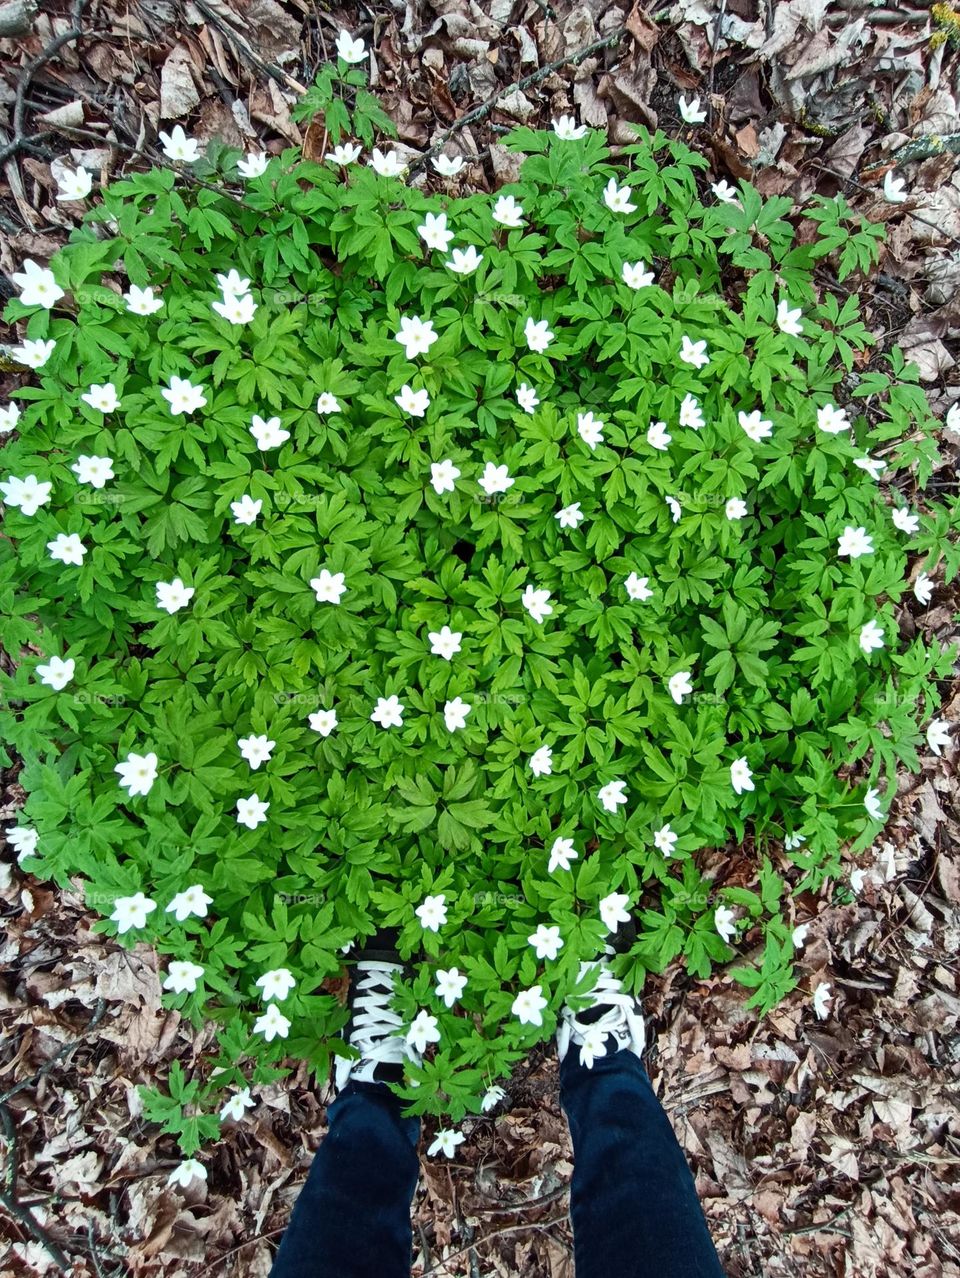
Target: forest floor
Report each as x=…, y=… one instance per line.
x=820, y=1147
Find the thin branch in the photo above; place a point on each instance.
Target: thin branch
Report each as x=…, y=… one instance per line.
x=8, y=1196
x=98, y=1013
x=19, y=141
x=245, y=49
x=484, y=109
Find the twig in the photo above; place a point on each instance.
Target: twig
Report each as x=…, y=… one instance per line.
x=245, y=49
x=500, y=1233
x=19, y=142
x=713, y=53
x=872, y=191
x=484, y=109
x=8, y=1196
x=98, y=1012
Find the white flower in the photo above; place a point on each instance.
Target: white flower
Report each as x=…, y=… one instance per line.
x=272, y=1024
x=690, y=112
x=246, y=510
x=855, y=542
x=612, y=910
x=388, y=712
x=94, y=471
x=537, y=334
x=28, y=495
x=416, y=336
x=594, y=1044
x=857, y=880
x=182, y=977
x=37, y=285
x=137, y=773
x=434, y=232
x=442, y=476
x=724, y=922
x=799, y=936
x=102, y=398
x=387, y=164
x=323, y=721
x=464, y=261
x=536, y=603
x=183, y=396
x=527, y=397
x=725, y=193
x=679, y=685
x=187, y=1171
x=57, y=673
x=665, y=839
x=491, y=1098
x=508, y=212
x=251, y=811
x=694, y=353
x=832, y=420
x=254, y=166
x=446, y=1142
x=546, y=941
x=349, y=49
x=173, y=595
x=74, y=184
x=923, y=589
x=567, y=129
x=636, y=275
x=346, y=153
x=256, y=749
x=735, y=508
x=327, y=403
x=871, y=637
x=131, y=912
x=691, y=414
x=23, y=839
x=637, y=588
x=617, y=198
x=561, y=854
x=177, y=146
x=741, y=778
x=450, y=985
x=894, y=188
x=938, y=735
x=233, y=284
x=541, y=762
x=788, y=321
x=570, y=516
x=611, y=795
x=904, y=520
x=675, y=509
x=444, y=642
x=277, y=983
x=329, y=586
x=871, y=803
x=754, y=426
x=455, y=714
x=590, y=429
x=424, y=1029
x=432, y=913
x=66, y=548
x=33, y=354
x=528, y=1006
x=448, y=165
x=236, y=309
x=237, y=1105
x=495, y=479
x=821, y=1000
x=874, y=468
x=9, y=416
x=414, y=402
x=657, y=436
x=141, y=301
x=191, y=901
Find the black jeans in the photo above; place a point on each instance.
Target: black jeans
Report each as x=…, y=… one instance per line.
x=633, y=1202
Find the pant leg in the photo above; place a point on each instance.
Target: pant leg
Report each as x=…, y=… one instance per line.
x=633, y=1202
x=352, y=1219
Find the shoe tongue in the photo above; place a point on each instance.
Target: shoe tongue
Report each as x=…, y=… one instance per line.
x=592, y=1014
x=388, y=1073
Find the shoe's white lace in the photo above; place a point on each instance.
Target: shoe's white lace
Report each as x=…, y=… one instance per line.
x=373, y=1029
x=620, y=1019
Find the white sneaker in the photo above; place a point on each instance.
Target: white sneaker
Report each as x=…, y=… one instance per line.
x=373, y=1028
x=610, y=1022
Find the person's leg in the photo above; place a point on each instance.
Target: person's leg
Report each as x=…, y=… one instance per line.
x=633, y=1202
x=352, y=1219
